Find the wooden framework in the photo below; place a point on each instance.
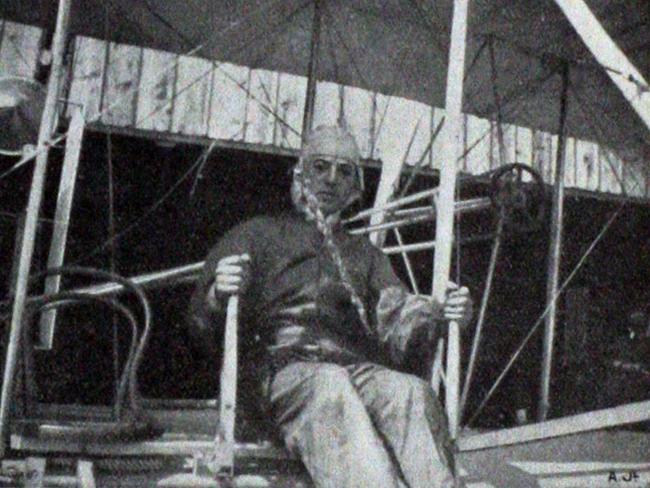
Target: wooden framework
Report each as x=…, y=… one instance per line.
x=452, y=153
x=48, y=123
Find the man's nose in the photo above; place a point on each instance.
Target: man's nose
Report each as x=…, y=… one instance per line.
x=332, y=174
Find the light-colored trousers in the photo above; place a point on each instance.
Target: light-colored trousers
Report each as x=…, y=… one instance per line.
x=361, y=426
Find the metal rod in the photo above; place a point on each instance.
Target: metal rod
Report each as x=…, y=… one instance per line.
x=419, y=246
x=481, y=315
x=554, y=255
x=461, y=207
x=427, y=245
x=452, y=149
x=48, y=122
x=410, y=211
x=176, y=275
x=393, y=224
x=312, y=72
x=61, y=221
x=407, y=263
x=169, y=277
x=394, y=204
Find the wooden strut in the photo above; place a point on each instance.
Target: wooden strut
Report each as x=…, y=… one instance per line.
x=312, y=72
x=48, y=123
x=452, y=149
x=554, y=255
x=61, y=221
x=225, y=437
x=618, y=67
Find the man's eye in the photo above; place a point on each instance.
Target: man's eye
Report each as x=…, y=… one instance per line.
x=346, y=170
x=320, y=166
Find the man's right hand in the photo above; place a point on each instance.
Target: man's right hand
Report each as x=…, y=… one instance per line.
x=231, y=273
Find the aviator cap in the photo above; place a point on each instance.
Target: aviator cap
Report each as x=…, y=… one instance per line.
x=333, y=141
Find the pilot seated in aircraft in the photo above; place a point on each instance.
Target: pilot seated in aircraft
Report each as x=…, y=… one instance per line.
x=336, y=325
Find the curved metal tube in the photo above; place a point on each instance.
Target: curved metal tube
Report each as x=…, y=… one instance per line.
x=146, y=307
x=68, y=299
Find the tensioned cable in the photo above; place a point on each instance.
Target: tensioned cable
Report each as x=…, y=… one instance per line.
x=197, y=164
x=111, y=212
x=535, y=326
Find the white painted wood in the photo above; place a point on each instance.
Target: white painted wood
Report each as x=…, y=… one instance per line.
x=122, y=81
x=19, y=49
x=597, y=419
x=402, y=138
x=452, y=150
x=542, y=154
x=570, y=163
x=611, y=173
x=477, y=142
x=587, y=165
x=156, y=89
x=290, y=107
x=225, y=437
x=192, y=95
x=67, y=182
x=46, y=128
x=438, y=143
x=230, y=84
x=87, y=76
x=85, y=474
x=357, y=110
x=524, y=149
x=327, y=105
x=34, y=472
x=618, y=67
x=262, y=107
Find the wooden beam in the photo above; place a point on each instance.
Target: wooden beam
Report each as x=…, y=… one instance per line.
x=554, y=255
x=312, y=71
x=584, y=422
x=452, y=137
x=618, y=67
x=225, y=437
x=48, y=123
x=61, y=221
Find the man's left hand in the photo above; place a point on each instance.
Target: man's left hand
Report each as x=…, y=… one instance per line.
x=458, y=304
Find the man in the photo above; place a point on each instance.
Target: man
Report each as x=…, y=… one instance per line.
x=335, y=323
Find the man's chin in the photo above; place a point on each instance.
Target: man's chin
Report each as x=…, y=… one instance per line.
x=329, y=208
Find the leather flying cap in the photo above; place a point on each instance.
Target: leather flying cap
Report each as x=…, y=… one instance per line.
x=332, y=141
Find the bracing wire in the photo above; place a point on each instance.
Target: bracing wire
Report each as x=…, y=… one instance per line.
x=197, y=164
x=540, y=319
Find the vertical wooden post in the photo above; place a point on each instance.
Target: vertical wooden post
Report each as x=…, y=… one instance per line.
x=48, y=122
x=312, y=72
x=451, y=154
x=554, y=255
x=225, y=438
x=62, y=220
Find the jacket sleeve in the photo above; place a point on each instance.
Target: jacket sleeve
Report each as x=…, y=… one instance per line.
x=206, y=317
x=404, y=322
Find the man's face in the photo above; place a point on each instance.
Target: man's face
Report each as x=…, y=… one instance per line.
x=331, y=180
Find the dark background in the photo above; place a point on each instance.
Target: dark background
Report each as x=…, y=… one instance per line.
x=235, y=185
